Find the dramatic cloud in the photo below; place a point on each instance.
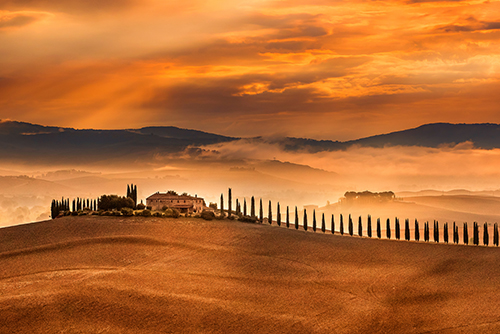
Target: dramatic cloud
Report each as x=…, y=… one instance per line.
x=323, y=69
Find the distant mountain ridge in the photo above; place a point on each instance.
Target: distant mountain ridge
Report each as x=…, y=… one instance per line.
x=485, y=136
x=26, y=142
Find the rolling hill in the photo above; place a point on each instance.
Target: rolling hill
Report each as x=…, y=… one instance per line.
x=137, y=275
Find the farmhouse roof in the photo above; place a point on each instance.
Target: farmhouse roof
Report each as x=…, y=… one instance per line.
x=159, y=195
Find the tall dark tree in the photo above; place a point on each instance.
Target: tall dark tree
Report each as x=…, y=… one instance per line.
x=379, y=229
x=314, y=220
x=238, y=207
x=305, y=220
x=278, y=215
x=426, y=232
x=244, y=207
x=369, y=227
x=296, y=218
x=417, y=231
x=466, y=234
x=323, y=225
x=287, y=217
x=252, y=207
x=436, y=231
x=351, y=227
x=454, y=233
x=135, y=195
x=476, y=234
x=407, y=229
x=397, y=228
x=495, y=234
x=261, y=212
x=332, y=225
x=445, y=232
x=222, y=206
x=486, y=235
x=360, y=227
x=270, y=214
x=388, y=229
x=229, y=203
x=341, y=226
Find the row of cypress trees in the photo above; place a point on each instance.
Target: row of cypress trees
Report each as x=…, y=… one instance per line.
x=76, y=204
x=369, y=230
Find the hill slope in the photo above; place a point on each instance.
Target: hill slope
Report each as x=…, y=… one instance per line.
x=486, y=136
x=134, y=275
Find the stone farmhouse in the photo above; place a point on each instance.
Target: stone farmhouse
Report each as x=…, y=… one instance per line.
x=184, y=203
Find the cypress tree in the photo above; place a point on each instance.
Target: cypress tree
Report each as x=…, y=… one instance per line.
x=454, y=233
x=486, y=235
x=426, y=231
x=95, y=205
x=252, y=207
x=314, y=220
x=244, y=207
x=466, y=234
x=379, y=229
x=369, y=227
x=407, y=229
x=270, y=214
x=417, y=230
x=135, y=195
x=476, y=234
x=128, y=191
x=445, y=233
x=351, y=227
x=341, y=227
x=332, y=225
x=237, y=207
x=323, y=227
x=397, y=227
x=296, y=218
x=495, y=234
x=229, y=203
x=278, y=215
x=222, y=206
x=287, y=217
x=360, y=227
x=305, y=220
x=388, y=229
x=261, y=212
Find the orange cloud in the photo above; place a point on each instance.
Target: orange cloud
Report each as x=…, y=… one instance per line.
x=308, y=67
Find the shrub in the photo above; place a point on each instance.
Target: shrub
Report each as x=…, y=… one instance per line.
x=127, y=212
x=141, y=206
x=158, y=214
x=207, y=215
x=149, y=208
x=248, y=219
x=164, y=208
x=146, y=213
x=108, y=202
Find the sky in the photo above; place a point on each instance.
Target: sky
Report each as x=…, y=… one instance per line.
x=320, y=69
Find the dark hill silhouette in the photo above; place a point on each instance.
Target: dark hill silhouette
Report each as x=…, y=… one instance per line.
x=25, y=142
x=485, y=136
x=30, y=142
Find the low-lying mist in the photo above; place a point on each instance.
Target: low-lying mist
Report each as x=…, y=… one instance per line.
x=264, y=169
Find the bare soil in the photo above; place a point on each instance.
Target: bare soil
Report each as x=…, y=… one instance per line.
x=153, y=275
